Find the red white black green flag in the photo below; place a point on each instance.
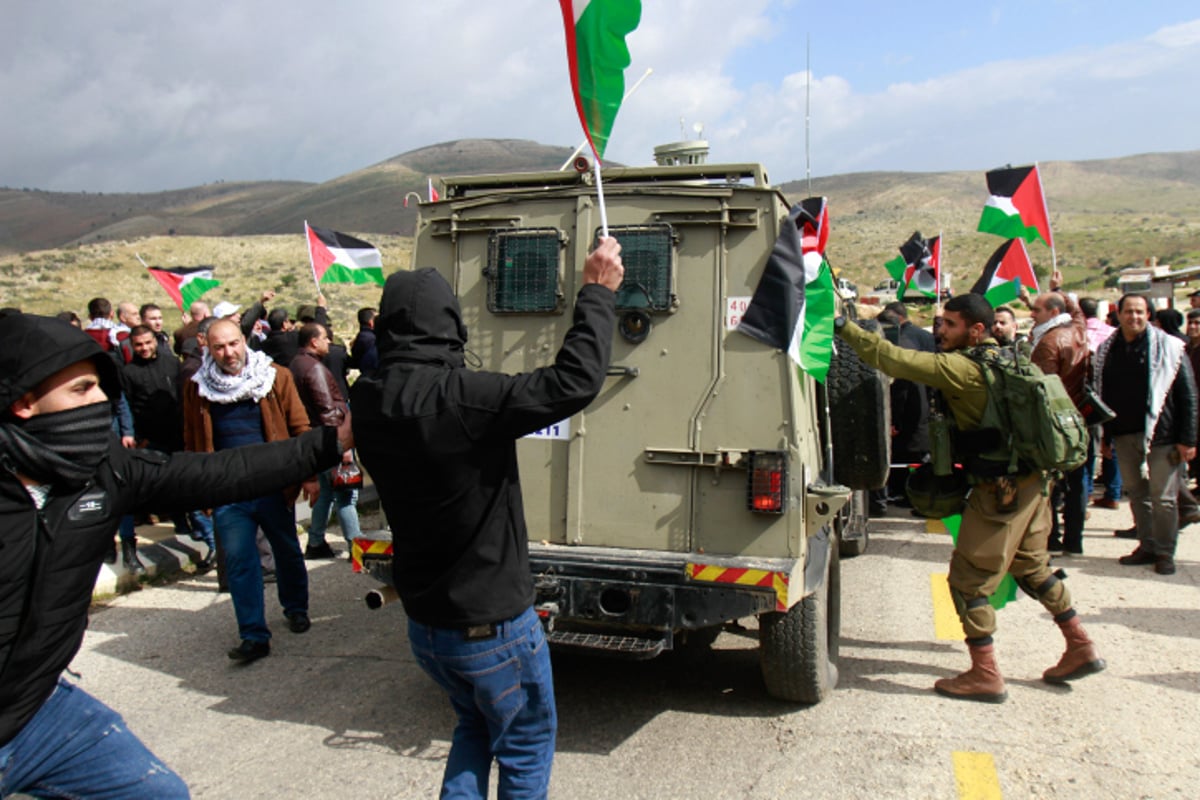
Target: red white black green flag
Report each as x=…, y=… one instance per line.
x=794, y=303
x=185, y=285
x=597, y=58
x=917, y=266
x=1017, y=206
x=1006, y=272
x=341, y=258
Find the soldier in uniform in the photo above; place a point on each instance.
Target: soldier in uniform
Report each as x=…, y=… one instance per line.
x=1006, y=521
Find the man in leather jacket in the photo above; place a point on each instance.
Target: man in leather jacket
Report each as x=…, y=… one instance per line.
x=65, y=481
x=1060, y=347
x=326, y=405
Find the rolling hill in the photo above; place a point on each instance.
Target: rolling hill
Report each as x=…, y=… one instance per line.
x=59, y=249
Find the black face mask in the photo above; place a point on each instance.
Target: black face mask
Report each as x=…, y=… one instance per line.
x=62, y=447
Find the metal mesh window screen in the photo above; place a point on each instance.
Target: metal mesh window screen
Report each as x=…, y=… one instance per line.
x=523, y=270
x=648, y=252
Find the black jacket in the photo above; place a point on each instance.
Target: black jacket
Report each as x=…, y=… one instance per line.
x=363, y=355
x=49, y=557
x=439, y=440
x=1127, y=390
x=281, y=346
x=152, y=390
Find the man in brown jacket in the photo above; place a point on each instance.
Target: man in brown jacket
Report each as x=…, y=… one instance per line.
x=326, y=405
x=239, y=397
x=1060, y=347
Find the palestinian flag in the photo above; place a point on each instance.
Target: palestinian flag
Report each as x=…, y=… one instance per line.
x=1005, y=273
x=917, y=266
x=794, y=303
x=185, y=285
x=1006, y=592
x=597, y=58
x=1017, y=207
x=340, y=258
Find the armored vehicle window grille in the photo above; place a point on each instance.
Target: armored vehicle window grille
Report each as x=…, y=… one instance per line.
x=523, y=271
x=648, y=253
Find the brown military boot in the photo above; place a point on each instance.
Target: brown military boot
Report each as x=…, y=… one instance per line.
x=1080, y=658
x=982, y=682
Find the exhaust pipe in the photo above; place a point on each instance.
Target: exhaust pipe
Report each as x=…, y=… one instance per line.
x=378, y=598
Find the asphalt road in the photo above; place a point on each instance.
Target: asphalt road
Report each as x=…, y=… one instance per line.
x=343, y=711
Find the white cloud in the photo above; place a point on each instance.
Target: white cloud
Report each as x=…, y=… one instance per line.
x=143, y=96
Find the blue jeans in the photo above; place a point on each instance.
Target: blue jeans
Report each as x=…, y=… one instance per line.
x=75, y=746
x=344, y=502
x=1110, y=476
x=237, y=525
x=195, y=523
x=502, y=690
x=126, y=529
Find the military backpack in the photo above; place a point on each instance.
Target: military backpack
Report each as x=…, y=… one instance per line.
x=1039, y=425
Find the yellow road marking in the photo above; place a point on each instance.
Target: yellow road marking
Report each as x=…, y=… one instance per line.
x=975, y=776
x=946, y=625
x=935, y=526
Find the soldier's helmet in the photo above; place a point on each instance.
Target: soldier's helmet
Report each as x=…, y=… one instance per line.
x=937, y=496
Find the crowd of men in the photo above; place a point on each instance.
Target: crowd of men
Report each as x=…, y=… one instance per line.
x=1140, y=371
x=104, y=421
x=232, y=417
x=1067, y=338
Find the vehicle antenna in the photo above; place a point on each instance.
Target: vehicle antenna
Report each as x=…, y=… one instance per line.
x=807, y=97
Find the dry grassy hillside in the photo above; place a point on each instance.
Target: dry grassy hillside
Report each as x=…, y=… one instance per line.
x=1104, y=214
x=49, y=281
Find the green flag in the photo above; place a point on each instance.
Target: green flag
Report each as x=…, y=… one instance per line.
x=1007, y=590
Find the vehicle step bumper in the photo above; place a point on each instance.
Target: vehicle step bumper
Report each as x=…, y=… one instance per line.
x=633, y=647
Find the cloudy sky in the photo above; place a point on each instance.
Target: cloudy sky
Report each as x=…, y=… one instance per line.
x=142, y=95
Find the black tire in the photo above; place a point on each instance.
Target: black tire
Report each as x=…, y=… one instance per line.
x=860, y=419
x=853, y=525
x=798, y=649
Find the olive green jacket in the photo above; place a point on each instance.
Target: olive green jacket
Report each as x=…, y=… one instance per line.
x=959, y=378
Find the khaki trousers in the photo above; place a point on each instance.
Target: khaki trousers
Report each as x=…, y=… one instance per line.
x=991, y=543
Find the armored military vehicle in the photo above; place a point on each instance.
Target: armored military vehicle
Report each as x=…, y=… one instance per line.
x=704, y=484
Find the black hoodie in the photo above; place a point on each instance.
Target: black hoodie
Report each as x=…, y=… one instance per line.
x=49, y=557
x=439, y=440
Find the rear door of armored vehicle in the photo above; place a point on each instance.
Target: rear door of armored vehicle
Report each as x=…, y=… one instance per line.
x=646, y=466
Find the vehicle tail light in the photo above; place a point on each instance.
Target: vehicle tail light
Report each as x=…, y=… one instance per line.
x=766, y=488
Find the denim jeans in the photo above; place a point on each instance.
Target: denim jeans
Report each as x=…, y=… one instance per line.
x=1110, y=476
x=344, y=502
x=502, y=690
x=126, y=529
x=1073, y=487
x=237, y=525
x=75, y=746
x=195, y=523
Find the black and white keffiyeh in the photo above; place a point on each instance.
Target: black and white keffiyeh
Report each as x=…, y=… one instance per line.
x=254, y=382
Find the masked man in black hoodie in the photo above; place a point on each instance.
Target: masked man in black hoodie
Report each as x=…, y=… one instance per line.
x=440, y=442
x=65, y=481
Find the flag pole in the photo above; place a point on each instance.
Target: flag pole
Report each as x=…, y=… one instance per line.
x=600, y=196
x=138, y=256
x=937, y=275
x=312, y=264
x=1037, y=168
x=584, y=143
